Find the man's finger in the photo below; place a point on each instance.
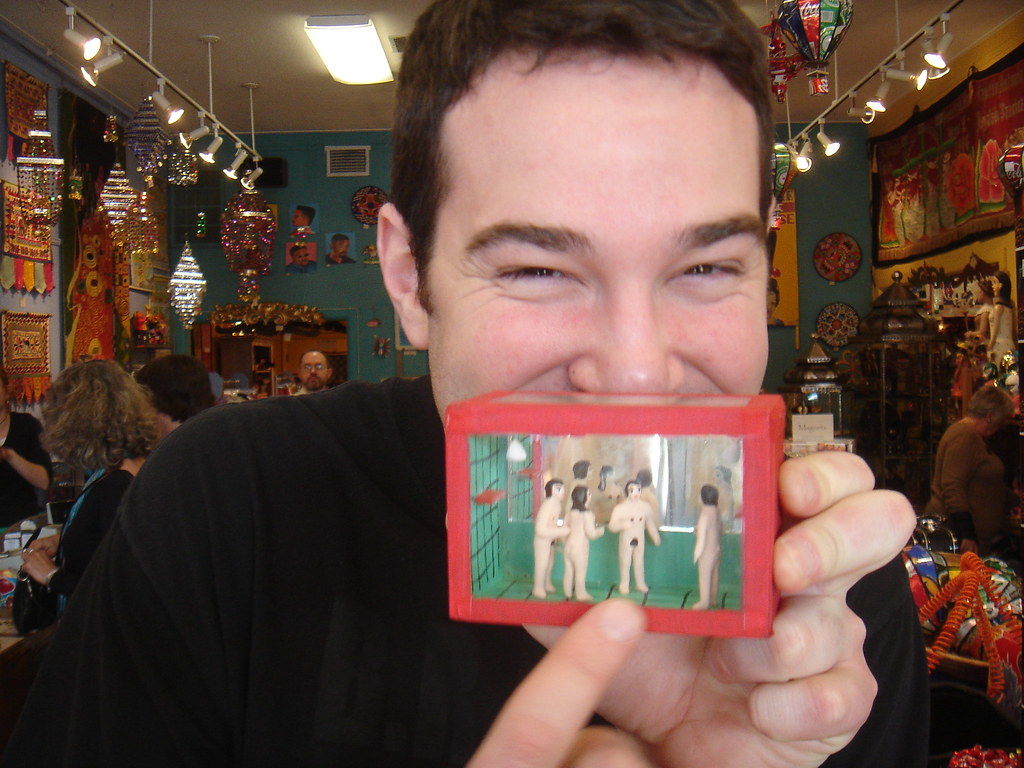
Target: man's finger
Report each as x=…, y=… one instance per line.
x=539, y=723
x=809, y=484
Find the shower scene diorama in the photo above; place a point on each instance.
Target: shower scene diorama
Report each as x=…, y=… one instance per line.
x=559, y=501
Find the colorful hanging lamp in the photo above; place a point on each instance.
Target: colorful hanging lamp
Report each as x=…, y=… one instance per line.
x=247, y=233
x=111, y=130
x=142, y=230
x=187, y=288
x=40, y=176
x=116, y=198
x=783, y=169
x=182, y=166
x=146, y=140
x=816, y=28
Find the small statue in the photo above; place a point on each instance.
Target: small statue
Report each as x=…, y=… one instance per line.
x=630, y=520
x=707, y=551
x=582, y=529
x=548, y=529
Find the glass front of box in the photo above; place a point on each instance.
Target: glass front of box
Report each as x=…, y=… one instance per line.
x=819, y=398
x=583, y=518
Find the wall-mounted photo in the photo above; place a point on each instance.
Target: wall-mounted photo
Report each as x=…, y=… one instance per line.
x=300, y=258
x=338, y=246
x=303, y=221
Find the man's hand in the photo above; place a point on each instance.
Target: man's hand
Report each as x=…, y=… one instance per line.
x=791, y=699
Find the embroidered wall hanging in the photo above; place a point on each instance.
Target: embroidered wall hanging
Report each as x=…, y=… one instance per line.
x=26, y=263
x=26, y=350
x=90, y=297
x=23, y=95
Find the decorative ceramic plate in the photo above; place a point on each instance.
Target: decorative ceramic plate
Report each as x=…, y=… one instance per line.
x=837, y=257
x=366, y=204
x=836, y=323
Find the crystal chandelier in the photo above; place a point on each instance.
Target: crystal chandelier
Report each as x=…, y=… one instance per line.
x=142, y=230
x=187, y=288
x=182, y=166
x=40, y=176
x=146, y=140
x=115, y=200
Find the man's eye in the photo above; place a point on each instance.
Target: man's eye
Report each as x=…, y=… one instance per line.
x=527, y=272
x=702, y=269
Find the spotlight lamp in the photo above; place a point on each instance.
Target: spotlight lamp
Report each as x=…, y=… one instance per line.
x=935, y=74
x=935, y=53
x=249, y=181
x=877, y=102
x=90, y=45
x=804, y=161
x=232, y=170
x=917, y=78
x=207, y=156
x=865, y=113
x=171, y=113
x=830, y=146
x=92, y=72
x=187, y=139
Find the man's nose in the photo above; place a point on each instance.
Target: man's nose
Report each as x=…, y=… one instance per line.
x=632, y=349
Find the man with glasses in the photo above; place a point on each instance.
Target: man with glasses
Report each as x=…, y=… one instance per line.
x=315, y=372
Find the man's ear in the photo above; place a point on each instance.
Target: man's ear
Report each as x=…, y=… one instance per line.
x=401, y=278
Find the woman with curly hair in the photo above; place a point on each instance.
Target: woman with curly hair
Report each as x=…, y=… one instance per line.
x=98, y=419
x=24, y=465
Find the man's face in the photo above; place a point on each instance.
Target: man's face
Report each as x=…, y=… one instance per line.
x=299, y=219
x=314, y=371
x=301, y=257
x=601, y=234
x=340, y=247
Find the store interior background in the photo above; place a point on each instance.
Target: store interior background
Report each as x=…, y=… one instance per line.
x=835, y=196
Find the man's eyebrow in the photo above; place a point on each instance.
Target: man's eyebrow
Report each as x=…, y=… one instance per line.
x=546, y=238
x=712, y=232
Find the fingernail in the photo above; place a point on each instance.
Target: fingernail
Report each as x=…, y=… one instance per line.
x=622, y=621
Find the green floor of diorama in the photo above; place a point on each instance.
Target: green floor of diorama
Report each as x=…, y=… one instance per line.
x=657, y=597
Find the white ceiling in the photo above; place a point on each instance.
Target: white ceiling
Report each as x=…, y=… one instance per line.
x=263, y=41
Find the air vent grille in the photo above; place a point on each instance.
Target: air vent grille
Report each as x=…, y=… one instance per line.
x=348, y=161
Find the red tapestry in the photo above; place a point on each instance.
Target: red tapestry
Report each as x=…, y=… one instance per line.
x=26, y=263
x=23, y=96
x=26, y=354
x=935, y=182
x=90, y=298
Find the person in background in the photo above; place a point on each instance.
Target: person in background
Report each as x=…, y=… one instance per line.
x=24, y=465
x=302, y=220
x=180, y=388
x=338, y=254
x=967, y=485
x=315, y=372
x=561, y=219
x=97, y=419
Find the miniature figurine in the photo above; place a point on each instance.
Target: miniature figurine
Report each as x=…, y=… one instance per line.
x=981, y=312
x=608, y=495
x=1002, y=334
x=630, y=519
x=707, y=551
x=548, y=528
x=582, y=529
x=648, y=494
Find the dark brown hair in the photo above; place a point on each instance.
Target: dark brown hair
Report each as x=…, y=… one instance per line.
x=179, y=384
x=455, y=41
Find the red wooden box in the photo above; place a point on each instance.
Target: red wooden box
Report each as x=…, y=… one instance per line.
x=503, y=448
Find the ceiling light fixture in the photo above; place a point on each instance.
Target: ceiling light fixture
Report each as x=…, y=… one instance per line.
x=866, y=114
x=92, y=72
x=877, y=102
x=232, y=170
x=350, y=48
x=249, y=180
x=804, y=160
x=830, y=146
x=187, y=139
x=171, y=112
x=935, y=54
x=208, y=155
x=90, y=45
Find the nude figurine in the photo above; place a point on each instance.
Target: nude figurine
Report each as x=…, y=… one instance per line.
x=607, y=496
x=630, y=520
x=548, y=528
x=707, y=551
x=582, y=529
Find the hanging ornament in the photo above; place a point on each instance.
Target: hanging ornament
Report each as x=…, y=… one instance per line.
x=111, y=131
x=782, y=67
x=187, y=288
x=182, y=166
x=146, y=140
x=115, y=200
x=249, y=287
x=75, y=185
x=815, y=28
x=783, y=169
x=366, y=205
x=370, y=254
x=201, y=224
x=40, y=177
x=247, y=233
x=1010, y=169
x=142, y=232
x=381, y=346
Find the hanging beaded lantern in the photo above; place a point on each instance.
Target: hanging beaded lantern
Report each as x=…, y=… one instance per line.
x=201, y=224
x=146, y=140
x=115, y=200
x=142, y=231
x=75, y=185
x=111, y=131
x=187, y=288
x=247, y=232
x=40, y=176
x=182, y=166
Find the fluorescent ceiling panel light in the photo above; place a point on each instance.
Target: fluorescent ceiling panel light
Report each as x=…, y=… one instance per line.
x=350, y=48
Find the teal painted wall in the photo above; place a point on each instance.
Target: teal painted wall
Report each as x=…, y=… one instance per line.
x=351, y=292
x=834, y=196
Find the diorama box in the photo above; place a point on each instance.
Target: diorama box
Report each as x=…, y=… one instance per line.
x=558, y=500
